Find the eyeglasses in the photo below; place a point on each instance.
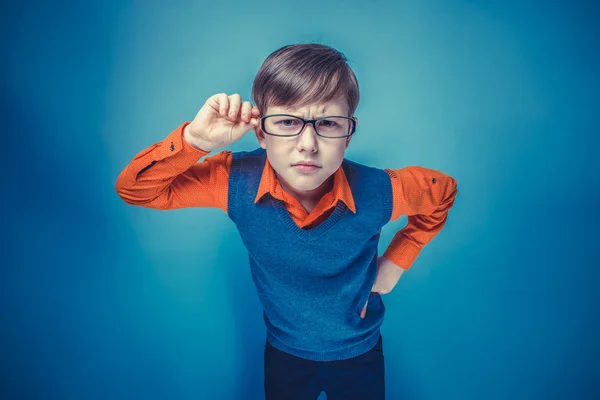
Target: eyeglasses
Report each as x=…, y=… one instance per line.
x=289, y=125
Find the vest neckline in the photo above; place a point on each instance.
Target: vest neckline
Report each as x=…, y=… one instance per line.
x=317, y=231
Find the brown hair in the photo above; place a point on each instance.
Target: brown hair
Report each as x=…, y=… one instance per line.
x=300, y=74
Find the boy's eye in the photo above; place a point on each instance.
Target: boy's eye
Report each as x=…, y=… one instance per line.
x=288, y=122
x=327, y=123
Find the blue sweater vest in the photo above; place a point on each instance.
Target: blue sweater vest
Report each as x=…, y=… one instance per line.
x=313, y=283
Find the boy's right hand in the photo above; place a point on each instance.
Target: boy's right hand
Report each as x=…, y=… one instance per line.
x=221, y=121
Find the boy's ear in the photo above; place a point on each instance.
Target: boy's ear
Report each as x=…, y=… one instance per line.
x=260, y=135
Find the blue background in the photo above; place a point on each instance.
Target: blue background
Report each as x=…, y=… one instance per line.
x=101, y=300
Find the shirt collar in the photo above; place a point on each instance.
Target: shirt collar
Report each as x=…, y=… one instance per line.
x=269, y=184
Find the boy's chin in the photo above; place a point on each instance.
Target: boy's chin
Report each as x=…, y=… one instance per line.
x=306, y=184
x=304, y=188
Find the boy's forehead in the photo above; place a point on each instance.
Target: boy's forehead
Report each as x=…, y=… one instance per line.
x=331, y=107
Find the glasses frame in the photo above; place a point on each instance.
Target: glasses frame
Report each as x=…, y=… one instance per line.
x=309, y=121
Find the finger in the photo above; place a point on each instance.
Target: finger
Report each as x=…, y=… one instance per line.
x=246, y=111
x=223, y=104
x=255, y=116
x=363, y=313
x=235, y=101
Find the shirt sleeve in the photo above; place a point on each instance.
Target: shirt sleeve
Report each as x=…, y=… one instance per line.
x=167, y=175
x=426, y=196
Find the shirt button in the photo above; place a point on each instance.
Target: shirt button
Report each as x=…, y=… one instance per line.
x=172, y=146
x=433, y=180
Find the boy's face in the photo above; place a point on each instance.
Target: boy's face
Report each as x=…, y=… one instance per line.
x=285, y=153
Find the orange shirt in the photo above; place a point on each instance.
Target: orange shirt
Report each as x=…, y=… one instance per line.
x=167, y=175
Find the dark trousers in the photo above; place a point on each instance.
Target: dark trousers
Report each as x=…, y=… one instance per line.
x=288, y=377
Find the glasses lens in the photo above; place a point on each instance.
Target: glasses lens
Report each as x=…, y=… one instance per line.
x=287, y=125
x=283, y=125
x=333, y=127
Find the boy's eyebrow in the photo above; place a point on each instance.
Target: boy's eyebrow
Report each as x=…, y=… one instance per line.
x=293, y=110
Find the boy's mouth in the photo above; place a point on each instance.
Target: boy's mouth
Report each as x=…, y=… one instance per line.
x=306, y=166
x=306, y=163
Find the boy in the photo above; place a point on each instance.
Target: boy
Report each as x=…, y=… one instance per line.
x=309, y=218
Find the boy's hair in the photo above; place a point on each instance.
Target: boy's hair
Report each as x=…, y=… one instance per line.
x=299, y=74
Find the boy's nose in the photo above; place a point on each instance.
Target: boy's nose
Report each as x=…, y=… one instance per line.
x=307, y=139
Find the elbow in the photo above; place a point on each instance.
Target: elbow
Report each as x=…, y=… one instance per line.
x=134, y=197
x=448, y=194
x=453, y=186
x=123, y=192
x=451, y=192
x=450, y=186
x=126, y=191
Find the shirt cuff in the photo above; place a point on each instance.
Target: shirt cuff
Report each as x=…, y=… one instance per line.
x=175, y=144
x=402, y=252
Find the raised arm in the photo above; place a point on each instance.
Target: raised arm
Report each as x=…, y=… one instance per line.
x=167, y=175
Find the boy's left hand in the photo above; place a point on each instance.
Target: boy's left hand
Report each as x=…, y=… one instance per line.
x=388, y=274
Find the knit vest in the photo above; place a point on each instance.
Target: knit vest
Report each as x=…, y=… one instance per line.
x=313, y=283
